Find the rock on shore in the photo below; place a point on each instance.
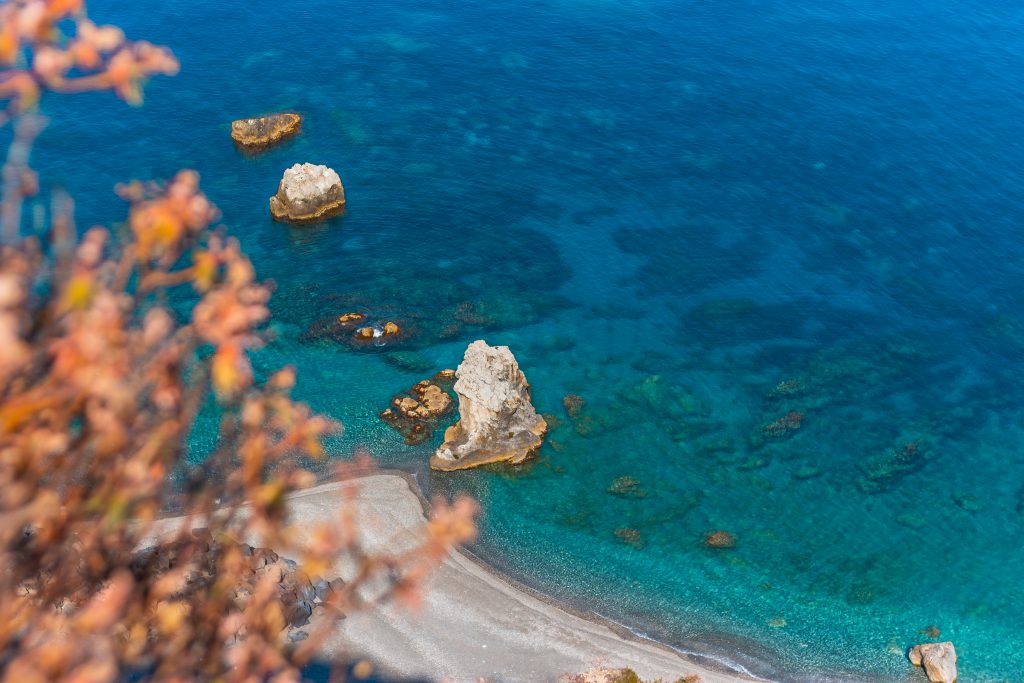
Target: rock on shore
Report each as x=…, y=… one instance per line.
x=308, y=193
x=938, y=660
x=497, y=421
x=261, y=132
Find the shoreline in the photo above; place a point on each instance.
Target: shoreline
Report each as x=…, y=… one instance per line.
x=470, y=605
x=705, y=655
x=625, y=631
x=708, y=659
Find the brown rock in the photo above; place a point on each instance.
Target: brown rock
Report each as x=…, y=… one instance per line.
x=407, y=406
x=433, y=399
x=348, y=318
x=265, y=131
x=719, y=539
x=938, y=660
x=416, y=411
x=390, y=329
x=365, y=332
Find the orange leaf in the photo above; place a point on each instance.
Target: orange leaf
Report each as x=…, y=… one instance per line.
x=230, y=370
x=8, y=44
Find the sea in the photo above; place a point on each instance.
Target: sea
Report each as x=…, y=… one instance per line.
x=761, y=263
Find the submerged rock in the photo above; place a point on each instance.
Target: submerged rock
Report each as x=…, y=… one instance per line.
x=938, y=660
x=573, y=405
x=627, y=487
x=261, y=132
x=308, y=193
x=497, y=421
x=783, y=427
x=630, y=537
x=882, y=472
x=719, y=539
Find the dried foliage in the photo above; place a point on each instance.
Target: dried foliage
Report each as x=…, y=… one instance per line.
x=109, y=347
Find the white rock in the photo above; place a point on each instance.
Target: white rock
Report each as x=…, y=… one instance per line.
x=308, y=193
x=497, y=421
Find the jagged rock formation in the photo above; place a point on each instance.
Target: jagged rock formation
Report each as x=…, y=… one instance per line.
x=308, y=193
x=497, y=422
x=938, y=660
x=261, y=132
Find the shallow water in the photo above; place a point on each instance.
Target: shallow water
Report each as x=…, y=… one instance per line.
x=699, y=217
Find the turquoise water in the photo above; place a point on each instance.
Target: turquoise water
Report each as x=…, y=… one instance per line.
x=700, y=217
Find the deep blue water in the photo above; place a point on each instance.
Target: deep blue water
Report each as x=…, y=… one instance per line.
x=669, y=209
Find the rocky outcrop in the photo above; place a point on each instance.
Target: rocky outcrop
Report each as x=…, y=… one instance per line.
x=368, y=329
x=308, y=193
x=416, y=412
x=497, y=421
x=264, y=131
x=260, y=569
x=938, y=660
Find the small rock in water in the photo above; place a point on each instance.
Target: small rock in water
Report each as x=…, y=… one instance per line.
x=261, y=132
x=416, y=412
x=938, y=660
x=308, y=193
x=783, y=427
x=777, y=622
x=719, y=539
x=627, y=487
x=882, y=472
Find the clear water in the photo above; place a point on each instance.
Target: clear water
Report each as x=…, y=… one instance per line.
x=667, y=208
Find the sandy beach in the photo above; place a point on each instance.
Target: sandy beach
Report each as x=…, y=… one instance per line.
x=473, y=623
